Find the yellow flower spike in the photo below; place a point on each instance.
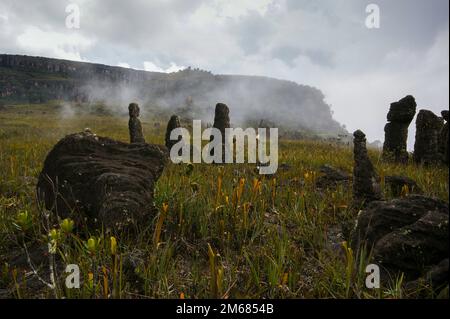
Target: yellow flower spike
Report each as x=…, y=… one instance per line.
x=54, y=234
x=285, y=279
x=405, y=191
x=91, y=280
x=182, y=295
x=113, y=245
x=159, y=224
x=92, y=245
x=67, y=225
x=219, y=188
x=24, y=220
x=105, y=282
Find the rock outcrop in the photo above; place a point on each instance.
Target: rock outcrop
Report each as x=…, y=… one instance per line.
x=396, y=184
x=366, y=182
x=408, y=235
x=97, y=178
x=399, y=117
x=134, y=124
x=331, y=177
x=426, y=147
x=173, y=123
x=221, y=122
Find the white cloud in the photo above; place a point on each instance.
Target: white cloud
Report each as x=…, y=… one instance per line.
x=123, y=65
x=68, y=45
x=152, y=67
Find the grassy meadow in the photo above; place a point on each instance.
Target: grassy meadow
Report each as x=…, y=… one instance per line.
x=221, y=231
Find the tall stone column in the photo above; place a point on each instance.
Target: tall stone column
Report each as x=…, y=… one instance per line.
x=173, y=123
x=366, y=182
x=221, y=122
x=399, y=117
x=134, y=124
x=426, y=146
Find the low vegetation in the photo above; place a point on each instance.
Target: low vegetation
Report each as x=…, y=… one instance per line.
x=220, y=231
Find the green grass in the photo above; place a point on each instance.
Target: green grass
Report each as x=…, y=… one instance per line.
x=221, y=231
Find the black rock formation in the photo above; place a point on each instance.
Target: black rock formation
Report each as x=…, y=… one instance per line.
x=366, y=182
x=93, y=177
x=397, y=182
x=221, y=122
x=408, y=235
x=426, y=147
x=399, y=117
x=173, y=123
x=331, y=177
x=134, y=124
x=443, y=138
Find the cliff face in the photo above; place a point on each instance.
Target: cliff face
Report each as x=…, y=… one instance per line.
x=37, y=80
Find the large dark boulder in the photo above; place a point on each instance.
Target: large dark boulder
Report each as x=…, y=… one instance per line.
x=85, y=175
x=426, y=146
x=408, y=235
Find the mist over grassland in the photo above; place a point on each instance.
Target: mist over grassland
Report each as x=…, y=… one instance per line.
x=191, y=92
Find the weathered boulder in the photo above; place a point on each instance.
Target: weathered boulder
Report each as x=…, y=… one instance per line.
x=436, y=278
x=399, y=117
x=426, y=147
x=408, y=235
x=331, y=177
x=85, y=175
x=134, y=124
x=366, y=182
x=443, y=139
x=173, y=123
x=397, y=182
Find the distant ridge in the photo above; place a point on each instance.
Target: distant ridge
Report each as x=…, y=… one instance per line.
x=28, y=79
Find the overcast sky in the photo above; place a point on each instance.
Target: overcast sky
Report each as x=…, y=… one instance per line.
x=323, y=43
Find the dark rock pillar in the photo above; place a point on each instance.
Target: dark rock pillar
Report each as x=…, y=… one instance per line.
x=426, y=147
x=366, y=187
x=399, y=117
x=134, y=124
x=443, y=138
x=221, y=122
x=173, y=123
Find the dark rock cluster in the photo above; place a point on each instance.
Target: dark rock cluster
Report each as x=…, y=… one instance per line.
x=399, y=117
x=97, y=178
x=428, y=129
x=408, y=235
